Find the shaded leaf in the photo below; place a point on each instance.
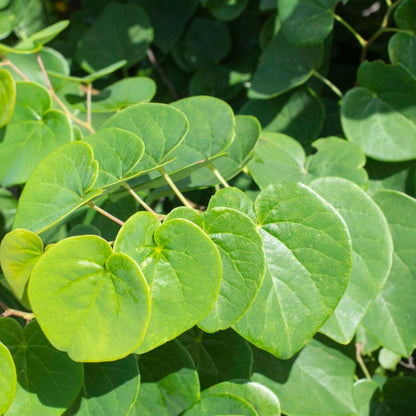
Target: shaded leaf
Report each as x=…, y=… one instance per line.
x=7, y=97
x=8, y=379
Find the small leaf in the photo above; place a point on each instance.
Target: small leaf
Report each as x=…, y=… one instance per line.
x=388, y=359
x=7, y=96
x=402, y=50
x=8, y=379
x=60, y=184
x=39, y=366
x=182, y=267
x=226, y=10
x=44, y=36
x=405, y=15
x=364, y=390
x=90, y=302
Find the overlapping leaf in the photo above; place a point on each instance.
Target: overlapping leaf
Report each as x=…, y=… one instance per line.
x=402, y=50
x=8, y=379
x=7, y=96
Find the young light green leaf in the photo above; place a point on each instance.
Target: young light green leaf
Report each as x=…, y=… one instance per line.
x=7, y=97
x=378, y=116
x=117, y=152
x=112, y=386
x=283, y=66
x=60, y=184
x=90, y=302
x=44, y=36
x=260, y=397
x=308, y=264
x=321, y=374
x=121, y=31
x=169, y=381
x=39, y=366
x=182, y=267
x=221, y=356
x=388, y=359
x=19, y=251
x=34, y=131
x=388, y=316
x=372, y=254
x=8, y=379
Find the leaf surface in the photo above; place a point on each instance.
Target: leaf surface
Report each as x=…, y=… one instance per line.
x=8, y=378
x=7, y=96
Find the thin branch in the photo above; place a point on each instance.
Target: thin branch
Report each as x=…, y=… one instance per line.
x=357, y=36
x=142, y=203
x=152, y=59
x=27, y=316
x=15, y=68
x=410, y=364
x=215, y=171
x=360, y=361
x=106, y=214
x=174, y=188
x=328, y=83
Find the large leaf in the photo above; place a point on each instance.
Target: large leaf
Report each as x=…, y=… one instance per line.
x=278, y=157
x=388, y=317
x=7, y=96
x=39, y=366
x=283, y=66
x=169, y=381
x=317, y=381
x=121, y=31
x=34, y=131
x=108, y=388
x=241, y=249
x=379, y=115
x=90, y=302
x=60, y=184
x=308, y=264
x=8, y=379
x=19, y=251
x=182, y=267
x=306, y=22
x=372, y=254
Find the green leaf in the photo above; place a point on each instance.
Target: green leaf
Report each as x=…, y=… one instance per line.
x=7, y=96
x=298, y=113
x=221, y=356
x=308, y=264
x=19, y=251
x=367, y=340
x=112, y=386
x=160, y=126
x=121, y=31
x=378, y=115
x=402, y=50
x=8, y=379
x=221, y=404
x=405, y=15
x=306, y=22
x=8, y=204
x=169, y=383
x=388, y=359
x=90, y=302
x=39, y=366
x=320, y=374
x=283, y=66
x=243, y=263
x=363, y=390
x=226, y=10
x=60, y=184
x=372, y=254
x=278, y=157
x=34, y=131
x=44, y=36
x=117, y=152
x=388, y=316
x=182, y=267
x=260, y=397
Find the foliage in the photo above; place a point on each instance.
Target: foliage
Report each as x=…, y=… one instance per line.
x=207, y=207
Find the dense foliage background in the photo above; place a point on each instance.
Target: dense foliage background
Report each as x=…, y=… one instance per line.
x=207, y=207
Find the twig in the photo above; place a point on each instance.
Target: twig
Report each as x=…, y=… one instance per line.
x=174, y=188
x=410, y=364
x=357, y=36
x=328, y=83
x=215, y=171
x=142, y=203
x=360, y=361
x=106, y=214
x=27, y=316
x=9, y=63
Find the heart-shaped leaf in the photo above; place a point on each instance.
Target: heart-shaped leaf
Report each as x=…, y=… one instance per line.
x=60, y=184
x=8, y=379
x=39, y=366
x=182, y=267
x=90, y=302
x=19, y=251
x=372, y=254
x=34, y=131
x=7, y=96
x=308, y=264
x=402, y=50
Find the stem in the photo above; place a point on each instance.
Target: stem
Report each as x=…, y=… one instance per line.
x=357, y=36
x=15, y=68
x=388, y=3
x=174, y=188
x=360, y=361
x=152, y=59
x=58, y=100
x=215, y=171
x=89, y=88
x=142, y=203
x=27, y=316
x=105, y=213
x=328, y=83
